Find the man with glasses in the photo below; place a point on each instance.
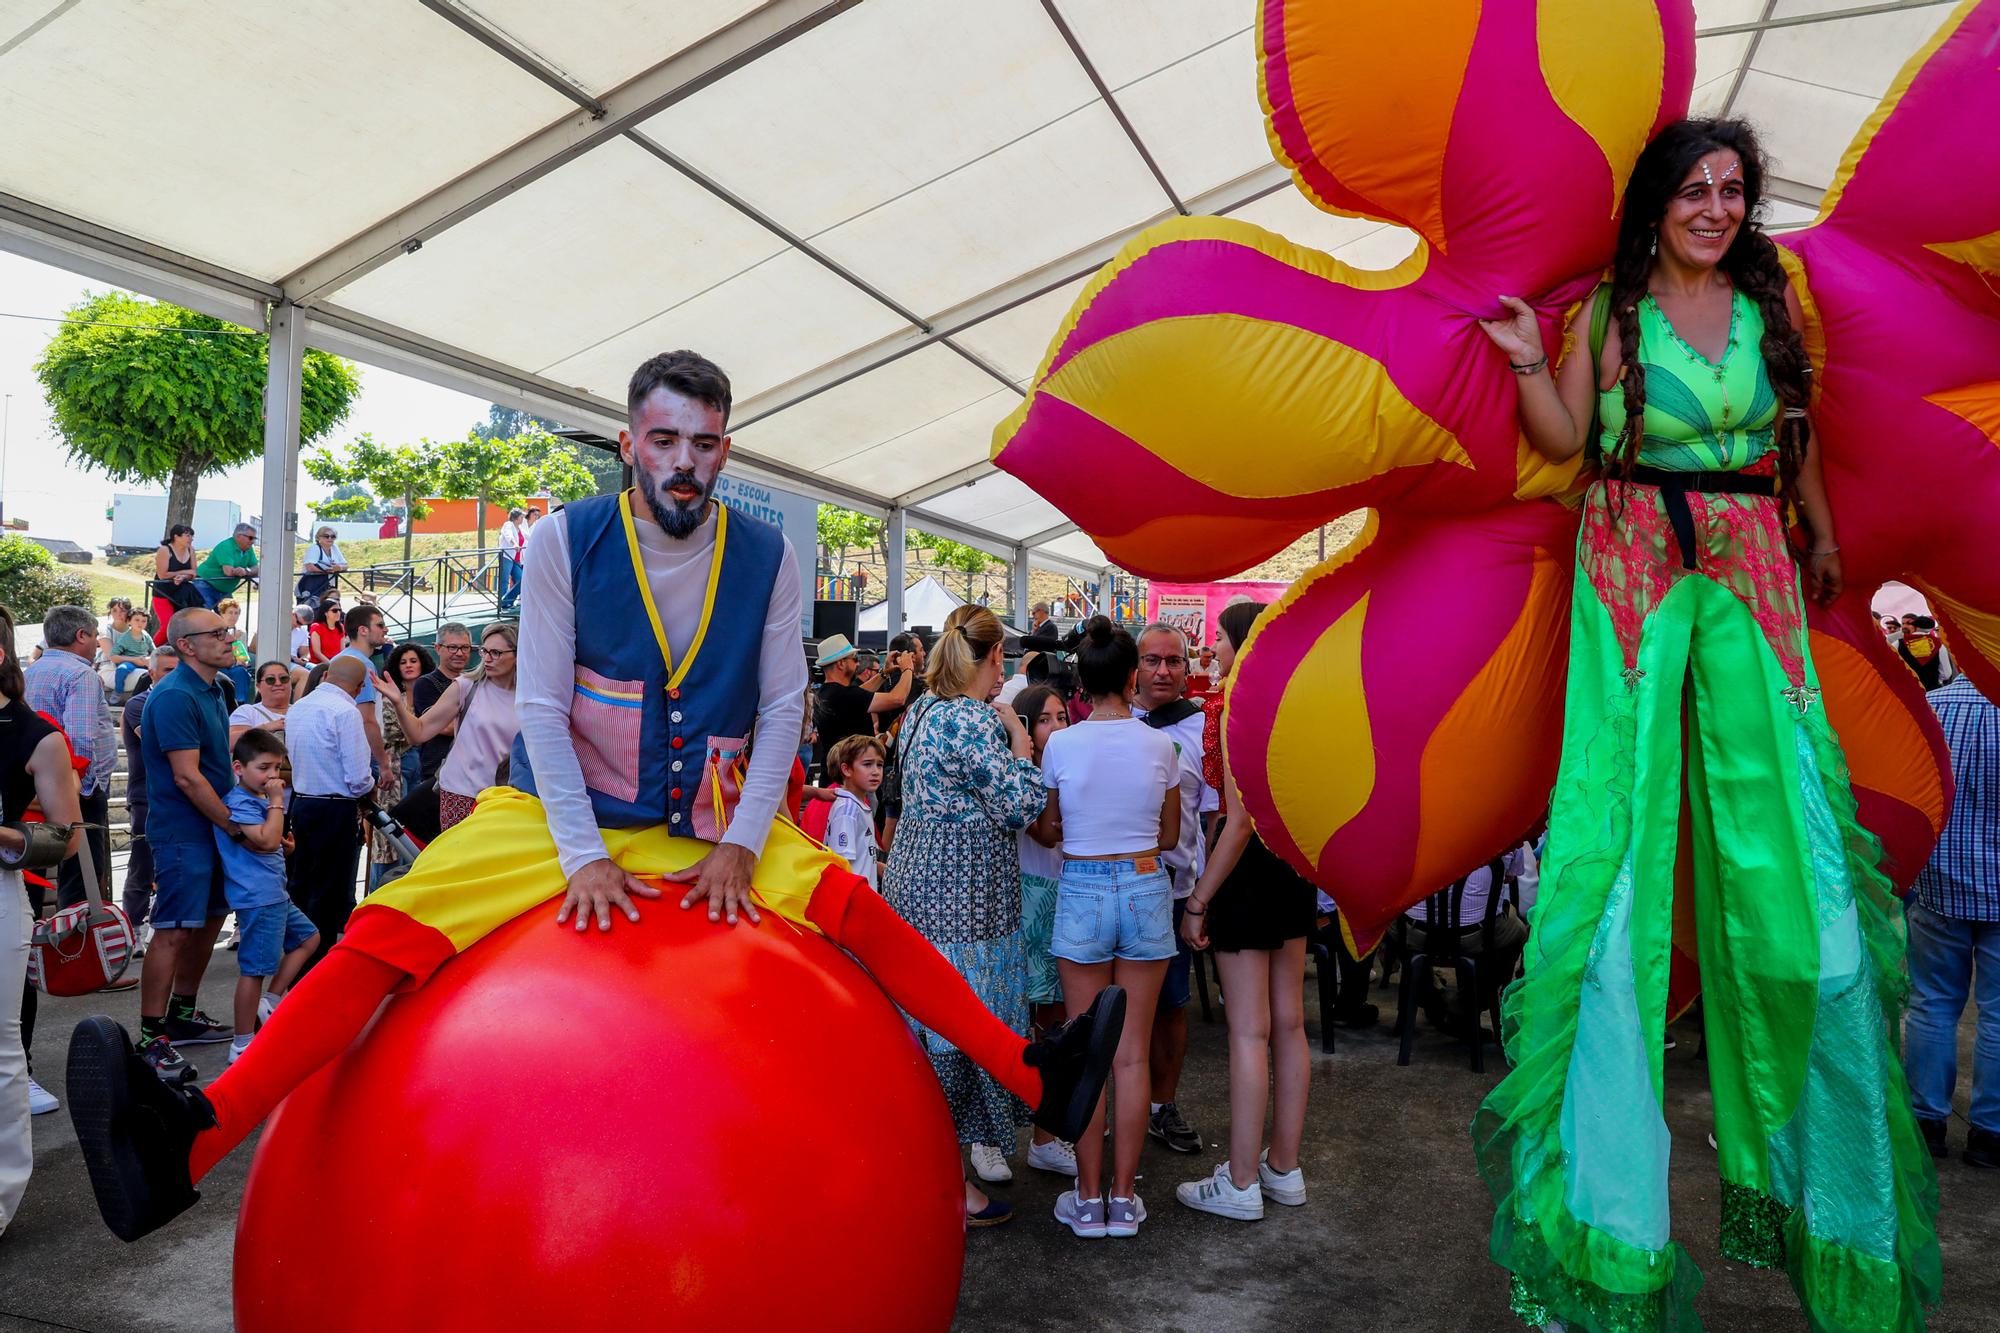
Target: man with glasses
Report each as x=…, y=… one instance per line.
x=184, y=744
x=224, y=569
x=366, y=635
x=1162, y=705
x=454, y=654
x=65, y=686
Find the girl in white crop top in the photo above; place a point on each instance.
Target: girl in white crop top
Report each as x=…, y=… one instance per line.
x=1115, y=798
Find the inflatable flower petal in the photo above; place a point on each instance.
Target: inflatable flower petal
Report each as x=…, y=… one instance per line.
x=1217, y=391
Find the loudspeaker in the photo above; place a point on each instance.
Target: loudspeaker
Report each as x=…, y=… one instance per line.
x=835, y=618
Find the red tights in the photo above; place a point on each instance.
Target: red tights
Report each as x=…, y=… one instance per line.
x=328, y=1009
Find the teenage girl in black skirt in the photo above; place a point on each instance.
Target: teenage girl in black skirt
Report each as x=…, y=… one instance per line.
x=1255, y=912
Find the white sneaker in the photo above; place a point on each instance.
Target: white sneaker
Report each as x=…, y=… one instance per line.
x=1123, y=1216
x=1085, y=1217
x=144, y=942
x=227, y=938
x=1218, y=1194
x=989, y=1165
x=1055, y=1156
x=1286, y=1187
x=40, y=1100
x=266, y=1006
x=236, y=1049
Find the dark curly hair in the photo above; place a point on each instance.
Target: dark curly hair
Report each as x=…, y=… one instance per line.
x=1751, y=264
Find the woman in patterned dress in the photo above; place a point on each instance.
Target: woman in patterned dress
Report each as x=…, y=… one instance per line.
x=969, y=785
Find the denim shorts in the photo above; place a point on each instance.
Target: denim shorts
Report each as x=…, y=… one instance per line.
x=1114, y=909
x=187, y=879
x=266, y=934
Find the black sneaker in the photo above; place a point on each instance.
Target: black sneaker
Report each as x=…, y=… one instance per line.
x=197, y=1029
x=1075, y=1060
x=1933, y=1132
x=135, y=1130
x=1171, y=1128
x=169, y=1064
x=1982, y=1148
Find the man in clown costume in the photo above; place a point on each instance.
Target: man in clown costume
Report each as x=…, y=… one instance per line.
x=660, y=698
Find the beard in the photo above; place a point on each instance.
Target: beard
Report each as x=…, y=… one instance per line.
x=677, y=520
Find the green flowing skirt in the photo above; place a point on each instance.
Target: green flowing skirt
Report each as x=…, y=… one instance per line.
x=1699, y=679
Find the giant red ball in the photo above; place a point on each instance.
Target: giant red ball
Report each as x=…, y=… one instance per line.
x=673, y=1125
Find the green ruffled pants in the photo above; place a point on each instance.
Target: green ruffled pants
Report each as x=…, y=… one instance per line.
x=1702, y=676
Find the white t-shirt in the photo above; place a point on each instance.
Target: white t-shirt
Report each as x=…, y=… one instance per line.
x=1190, y=854
x=850, y=833
x=1479, y=887
x=254, y=714
x=301, y=636
x=1113, y=775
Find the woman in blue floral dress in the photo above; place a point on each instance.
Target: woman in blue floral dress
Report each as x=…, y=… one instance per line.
x=954, y=873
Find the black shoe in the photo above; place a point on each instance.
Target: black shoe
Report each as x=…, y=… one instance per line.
x=1360, y=1017
x=197, y=1028
x=1982, y=1148
x=1170, y=1127
x=135, y=1131
x=1933, y=1131
x=1075, y=1060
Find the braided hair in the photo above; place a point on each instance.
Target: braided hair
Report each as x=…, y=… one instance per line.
x=1751, y=264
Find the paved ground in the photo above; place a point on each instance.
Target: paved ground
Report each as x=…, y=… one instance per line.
x=1393, y=1238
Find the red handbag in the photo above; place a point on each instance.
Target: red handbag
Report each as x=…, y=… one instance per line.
x=82, y=948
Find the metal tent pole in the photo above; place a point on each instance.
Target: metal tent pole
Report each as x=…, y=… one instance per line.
x=279, y=534
x=893, y=536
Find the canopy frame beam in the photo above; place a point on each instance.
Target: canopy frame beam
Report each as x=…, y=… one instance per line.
x=1224, y=199
x=1769, y=22
x=1111, y=104
x=680, y=76
x=278, y=537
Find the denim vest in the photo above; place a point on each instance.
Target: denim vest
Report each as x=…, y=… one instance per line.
x=659, y=743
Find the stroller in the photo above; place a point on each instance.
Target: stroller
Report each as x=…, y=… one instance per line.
x=399, y=839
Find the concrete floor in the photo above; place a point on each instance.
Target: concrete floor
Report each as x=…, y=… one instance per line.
x=1394, y=1237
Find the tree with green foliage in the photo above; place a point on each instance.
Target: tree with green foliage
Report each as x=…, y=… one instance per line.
x=606, y=468
x=505, y=471
x=404, y=471
x=948, y=554
x=350, y=500
x=32, y=581
x=841, y=529
x=145, y=391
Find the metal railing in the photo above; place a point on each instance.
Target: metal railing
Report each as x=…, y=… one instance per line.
x=416, y=596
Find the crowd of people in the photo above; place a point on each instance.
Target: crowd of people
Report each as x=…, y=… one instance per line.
x=1055, y=840
x=245, y=801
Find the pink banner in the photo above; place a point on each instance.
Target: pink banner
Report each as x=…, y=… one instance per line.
x=1193, y=607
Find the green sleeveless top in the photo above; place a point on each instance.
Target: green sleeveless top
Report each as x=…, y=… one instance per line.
x=1700, y=416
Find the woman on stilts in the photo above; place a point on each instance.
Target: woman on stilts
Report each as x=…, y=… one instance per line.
x=1688, y=655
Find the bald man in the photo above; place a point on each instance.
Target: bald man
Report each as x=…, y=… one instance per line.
x=330, y=771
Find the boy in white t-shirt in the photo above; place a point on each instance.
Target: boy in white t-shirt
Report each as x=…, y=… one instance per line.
x=855, y=767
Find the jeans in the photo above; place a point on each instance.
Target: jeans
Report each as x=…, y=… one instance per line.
x=1949, y=961
x=138, y=896
x=510, y=582
x=411, y=766
x=17, y=1154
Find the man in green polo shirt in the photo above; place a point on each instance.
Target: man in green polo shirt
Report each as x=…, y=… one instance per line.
x=223, y=569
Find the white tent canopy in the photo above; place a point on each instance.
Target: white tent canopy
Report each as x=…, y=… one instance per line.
x=925, y=602
x=871, y=214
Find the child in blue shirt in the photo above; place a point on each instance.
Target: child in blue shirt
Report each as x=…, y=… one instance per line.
x=276, y=937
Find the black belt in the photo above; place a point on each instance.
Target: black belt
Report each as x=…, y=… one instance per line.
x=1674, y=486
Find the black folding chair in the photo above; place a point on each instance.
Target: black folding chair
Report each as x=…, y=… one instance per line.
x=1442, y=923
